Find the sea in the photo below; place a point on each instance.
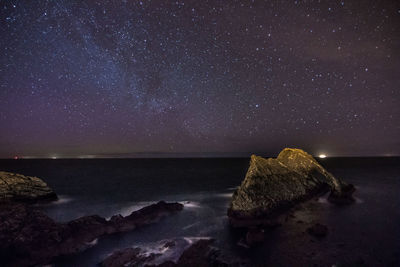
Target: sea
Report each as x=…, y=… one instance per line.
x=366, y=233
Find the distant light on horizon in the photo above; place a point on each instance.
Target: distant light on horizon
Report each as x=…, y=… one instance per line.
x=322, y=156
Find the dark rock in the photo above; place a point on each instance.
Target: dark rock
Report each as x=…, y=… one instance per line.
x=254, y=236
x=30, y=237
x=197, y=254
x=124, y=257
x=169, y=244
x=274, y=185
x=344, y=197
x=318, y=230
x=21, y=188
x=185, y=252
x=202, y=254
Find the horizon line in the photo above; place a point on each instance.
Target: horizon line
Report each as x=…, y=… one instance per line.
x=185, y=155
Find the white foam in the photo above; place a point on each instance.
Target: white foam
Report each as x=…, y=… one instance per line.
x=190, y=226
x=63, y=199
x=92, y=243
x=134, y=207
x=193, y=239
x=323, y=200
x=190, y=204
x=358, y=200
x=167, y=253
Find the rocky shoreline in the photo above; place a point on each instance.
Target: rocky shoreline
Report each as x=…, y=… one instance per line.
x=179, y=252
x=265, y=200
x=29, y=237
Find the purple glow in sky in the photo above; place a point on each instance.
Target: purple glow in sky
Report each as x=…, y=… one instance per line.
x=126, y=77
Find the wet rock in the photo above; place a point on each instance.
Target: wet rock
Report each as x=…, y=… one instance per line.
x=318, y=230
x=30, y=237
x=185, y=252
x=274, y=185
x=198, y=254
x=124, y=257
x=343, y=197
x=21, y=188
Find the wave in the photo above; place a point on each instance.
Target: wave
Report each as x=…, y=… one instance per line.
x=232, y=188
x=168, y=249
x=62, y=199
x=191, y=204
x=134, y=207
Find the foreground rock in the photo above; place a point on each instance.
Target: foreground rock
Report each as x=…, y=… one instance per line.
x=168, y=253
x=30, y=237
x=318, y=230
x=18, y=187
x=273, y=185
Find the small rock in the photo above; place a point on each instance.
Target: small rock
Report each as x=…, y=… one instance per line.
x=344, y=197
x=318, y=230
x=169, y=244
x=121, y=257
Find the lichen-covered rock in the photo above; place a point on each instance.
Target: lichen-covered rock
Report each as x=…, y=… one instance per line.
x=275, y=184
x=18, y=187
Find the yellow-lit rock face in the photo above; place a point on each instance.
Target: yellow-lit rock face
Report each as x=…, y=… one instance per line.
x=304, y=163
x=18, y=187
x=273, y=183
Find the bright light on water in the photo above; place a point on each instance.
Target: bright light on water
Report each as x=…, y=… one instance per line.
x=322, y=156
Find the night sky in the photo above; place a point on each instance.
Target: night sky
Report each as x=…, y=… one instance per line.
x=112, y=78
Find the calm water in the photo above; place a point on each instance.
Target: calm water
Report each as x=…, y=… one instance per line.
x=366, y=233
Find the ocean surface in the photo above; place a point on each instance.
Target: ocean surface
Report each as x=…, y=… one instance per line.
x=366, y=233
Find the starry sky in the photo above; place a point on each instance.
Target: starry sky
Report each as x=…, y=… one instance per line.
x=112, y=78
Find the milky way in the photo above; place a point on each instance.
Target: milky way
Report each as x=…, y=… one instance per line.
x=123, y=77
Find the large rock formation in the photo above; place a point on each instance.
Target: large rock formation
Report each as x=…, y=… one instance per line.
x=29, y=237
x=275, y=184
x=17, y=187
